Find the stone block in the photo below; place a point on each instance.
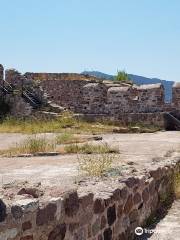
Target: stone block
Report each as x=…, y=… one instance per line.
x=2, y=211
x=46, y=214
x=111, y=215
x=71, y=203
x=98, y=206
x=128, y=205
x=107, y=234
x=58, y=233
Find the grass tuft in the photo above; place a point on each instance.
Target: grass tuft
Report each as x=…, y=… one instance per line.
x=68, y=138
x=31, y=145
x=88, y=148
x=95, y=166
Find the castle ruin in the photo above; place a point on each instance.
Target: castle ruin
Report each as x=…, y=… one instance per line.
x=91, y=96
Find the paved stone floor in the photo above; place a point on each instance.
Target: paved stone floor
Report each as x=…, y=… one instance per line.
x=62, y=170
x=168, y=228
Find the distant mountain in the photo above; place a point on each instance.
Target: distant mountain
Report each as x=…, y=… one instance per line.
x=139, y=80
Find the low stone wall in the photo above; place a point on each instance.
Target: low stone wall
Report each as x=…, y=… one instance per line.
x=154, y=119
x=110, y=209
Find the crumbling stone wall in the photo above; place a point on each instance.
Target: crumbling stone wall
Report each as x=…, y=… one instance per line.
x=176, y=95
x=58, y=76
x=108, y=211
x=145, y=98
x=14, y=77
x=18, y=107
x=94, y=98
x=85, y=94
x=64, y=89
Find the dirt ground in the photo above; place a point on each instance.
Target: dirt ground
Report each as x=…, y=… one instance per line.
x=63, y=169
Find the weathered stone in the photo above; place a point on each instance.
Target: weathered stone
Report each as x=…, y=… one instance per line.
x=58, y=232
x=145, y=195
x=100, y=237
x=86, y=217
x=122, y=236
x=2, y=211
x=107, y=234
x=103, y=222
x=152, y=187
x=129, y=204
x=16, y=211
x=117, y=195
x=140, y=205
x=71, y=204
x=73, y=227
x=26, y=225
x=120, y=210
x=27, y=205
x=34, y=192
x=29, y=237
x=137, y=198
x=80, y=234
x=131, y=181
x=98, y=206
x=8, y=234
x=156, y=174
x=86, y=200
x=89, y=231
x=124, y=193
x=96, y=227
x=111, y=215
x=133, y=215
x=46, y=214
x=125, y=222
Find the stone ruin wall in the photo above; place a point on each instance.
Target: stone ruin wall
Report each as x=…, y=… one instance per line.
x=90, y=95
x=105, y=211
x=64, y=89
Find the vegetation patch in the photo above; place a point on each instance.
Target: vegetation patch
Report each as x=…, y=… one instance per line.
x=68, y=138
x=65, y=123
x=96, y=165
x=88, y=148
x=68, y=124
x=31, y=145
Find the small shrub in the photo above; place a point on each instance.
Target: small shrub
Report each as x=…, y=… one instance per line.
x=122, y=76
x=95, y=166
x=35, y=144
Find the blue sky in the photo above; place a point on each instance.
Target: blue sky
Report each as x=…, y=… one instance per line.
x=140, y=36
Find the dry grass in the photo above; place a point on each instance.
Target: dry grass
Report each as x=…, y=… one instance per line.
x=88, y=148
x=69, y=138
x=31, y=145
x=66, y=123
x=95, y=165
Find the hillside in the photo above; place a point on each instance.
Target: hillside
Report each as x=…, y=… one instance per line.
x=138, y=80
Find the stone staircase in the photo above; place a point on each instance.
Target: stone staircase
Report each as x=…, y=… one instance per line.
x=172, y=120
